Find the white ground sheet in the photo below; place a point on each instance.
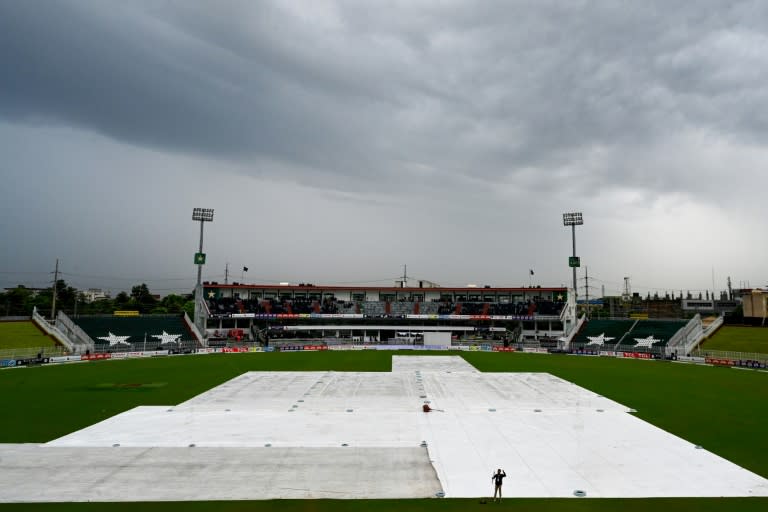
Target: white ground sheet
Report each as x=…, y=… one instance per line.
x=551, y=436
x=45, y=473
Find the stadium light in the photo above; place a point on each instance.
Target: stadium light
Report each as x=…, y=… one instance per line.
x=573, y=219
x=203, y=215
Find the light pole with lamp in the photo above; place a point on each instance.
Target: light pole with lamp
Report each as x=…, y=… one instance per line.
x=203, y=215
x=573, y=219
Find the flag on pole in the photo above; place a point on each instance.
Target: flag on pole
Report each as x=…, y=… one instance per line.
x=245, y=269
x=531, y=271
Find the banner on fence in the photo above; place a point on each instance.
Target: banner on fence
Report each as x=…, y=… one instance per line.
x=32, y=360
x=719, y=361
x=751, y=363
x=635, y=355
x=234, y=350
x=64, y=359
x=95, y=357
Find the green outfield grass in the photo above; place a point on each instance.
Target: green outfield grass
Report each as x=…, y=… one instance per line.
x=23, y=335
x=432, y=505
x=719, y=408
x=739, y=339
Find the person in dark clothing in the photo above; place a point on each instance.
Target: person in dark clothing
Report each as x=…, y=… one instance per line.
x=497, y=478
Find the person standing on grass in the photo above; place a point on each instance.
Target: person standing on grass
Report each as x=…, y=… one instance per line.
x=497, y=478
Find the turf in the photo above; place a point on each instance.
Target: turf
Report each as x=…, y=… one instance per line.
x=436, y=505
x=718, y=408
x=23, y=335
x=739, y=339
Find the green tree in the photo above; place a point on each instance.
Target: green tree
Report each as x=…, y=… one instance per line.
x=18, y=301
x=142, y=299
x=173, y=303
x=121, y=300
x=189, y=308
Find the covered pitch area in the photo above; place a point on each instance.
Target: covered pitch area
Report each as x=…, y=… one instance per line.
x=330, y=434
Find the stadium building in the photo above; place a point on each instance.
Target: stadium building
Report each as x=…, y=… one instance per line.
x=396, y=314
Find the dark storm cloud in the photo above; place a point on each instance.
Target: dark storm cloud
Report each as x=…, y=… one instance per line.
x=349, y=95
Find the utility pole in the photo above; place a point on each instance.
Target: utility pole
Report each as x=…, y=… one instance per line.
x=730, y=289
x=405, y=276
x=226, y=273
x=55, y=282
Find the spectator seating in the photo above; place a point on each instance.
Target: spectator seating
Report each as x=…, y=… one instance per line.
x=622, y=335
x=650, y=330
x=608, y=331
x=128, y=333
x=379, y=309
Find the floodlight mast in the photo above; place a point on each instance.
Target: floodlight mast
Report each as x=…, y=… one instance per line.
x=203, y=215
x=573, y=219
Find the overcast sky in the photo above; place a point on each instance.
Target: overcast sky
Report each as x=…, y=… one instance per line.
x=339, y=140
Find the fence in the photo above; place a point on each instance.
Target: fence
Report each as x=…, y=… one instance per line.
x=731, y=355
x=27, y=352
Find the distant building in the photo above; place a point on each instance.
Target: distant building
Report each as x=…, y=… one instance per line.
x=710, y=306
x=95, y=294
x=755, y=303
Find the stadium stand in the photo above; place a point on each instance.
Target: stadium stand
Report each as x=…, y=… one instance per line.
x=382, y=309
x=607, y=331
x=661, y=330
x=547, y=308
x=622, y=335
x=111, y=333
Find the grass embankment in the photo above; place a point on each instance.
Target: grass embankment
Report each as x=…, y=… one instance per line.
x=23, y=335
x=739, y=339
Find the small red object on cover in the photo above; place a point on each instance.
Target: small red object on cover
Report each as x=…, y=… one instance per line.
x=426, y=408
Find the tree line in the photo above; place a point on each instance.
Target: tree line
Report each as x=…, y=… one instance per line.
x=20, y=301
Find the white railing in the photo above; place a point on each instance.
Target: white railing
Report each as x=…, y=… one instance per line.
x=51, y=330
x=194, y=329
x=706, y=332
x=574, y=332
x=687, y=337
x=81, y=340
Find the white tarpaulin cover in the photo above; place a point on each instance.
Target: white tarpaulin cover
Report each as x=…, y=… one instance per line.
x=364, y=434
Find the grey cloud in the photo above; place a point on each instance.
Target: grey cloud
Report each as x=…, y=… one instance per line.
x=350, y=96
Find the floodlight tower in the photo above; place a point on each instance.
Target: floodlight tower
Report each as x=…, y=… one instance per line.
x=573, y=219
x=203, y=215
